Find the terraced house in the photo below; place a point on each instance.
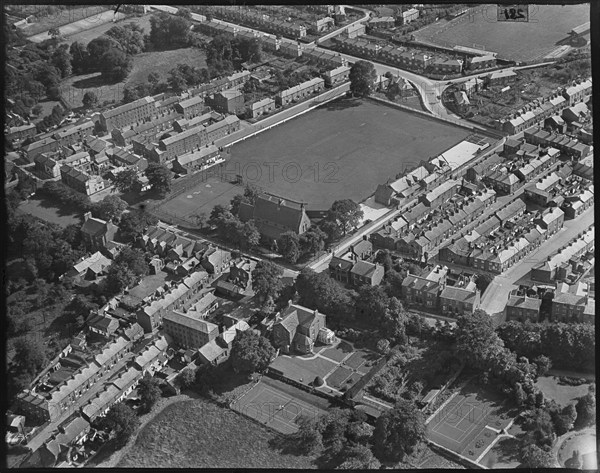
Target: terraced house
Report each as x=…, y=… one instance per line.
x=299, y=92
x=128, y=114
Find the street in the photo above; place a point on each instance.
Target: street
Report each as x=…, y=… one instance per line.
x=496, y=295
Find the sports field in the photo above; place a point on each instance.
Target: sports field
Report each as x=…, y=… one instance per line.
x=519, y=41
x=470, y=422
x=341, y=150
x=270, y=405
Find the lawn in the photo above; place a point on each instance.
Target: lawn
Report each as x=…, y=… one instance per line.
x=301, y=370
x=199, y=434
x=561, y=393
x=342, y=150
x=50, y=211
x=505, y=454
x=74, y=88
x=519, y=41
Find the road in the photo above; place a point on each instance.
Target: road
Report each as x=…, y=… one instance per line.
x=496, y=295
x=366, y=17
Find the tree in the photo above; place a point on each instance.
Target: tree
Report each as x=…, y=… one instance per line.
x=359, y=457
x=127, y=180
x=54, y=33
x=586, y=409
x=519, y=394
x=544, y=364
x=289, y=246
x=80, y=58
x=533, y=456
x=134, y=260
x=61, y=59
x=483, y=281
x=159, y=178
x=110, y=208
x=149, y=392
x=129, y=37
x=312, y=241
x=384, y=258
x=186, y=378
x=118, y=277
x=476, y=339
x=362, y=78
x=394, y=321
x=185, y=13
x=30, y=356
x=371, y=304
x=266, y=279
x=99, y=46
x=346, y=214
x=90, y=100
x=383, y=346
x=251, y=353
x=133, y=224
x=308, y=437
x=115, y=65
x=398, y=431
x=122, y=422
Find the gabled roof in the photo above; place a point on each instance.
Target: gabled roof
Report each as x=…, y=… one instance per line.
x=94, y=226
x=364, y=268
x=458, y=294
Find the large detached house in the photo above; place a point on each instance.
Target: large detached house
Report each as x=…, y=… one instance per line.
x=274, y=216
x=297, y=328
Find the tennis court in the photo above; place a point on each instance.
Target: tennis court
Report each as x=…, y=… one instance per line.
x=470, y=421
x=274, y=408
x=458, y=423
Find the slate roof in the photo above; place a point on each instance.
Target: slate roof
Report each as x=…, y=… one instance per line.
x=520, y=302
x=458, y=294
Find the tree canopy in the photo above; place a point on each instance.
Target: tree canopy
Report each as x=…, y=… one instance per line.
x=398, y=431
x=149, y=392
x=159, y=178
x=362, y=78
x=266, y=279
x=122, y=422
x=251, y=352
x=346, y=214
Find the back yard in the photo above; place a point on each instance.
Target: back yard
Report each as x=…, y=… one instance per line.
x=199, y=434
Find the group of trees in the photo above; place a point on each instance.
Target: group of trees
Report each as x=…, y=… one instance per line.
x=224, y=54
x=362, y=78
x=568, y=346
x=126, y=269
x=245, y=235
x=343, y=439
x=480, y=347
x=547, y=421
x=169, y=31
x=293, y=246
x=251, y=353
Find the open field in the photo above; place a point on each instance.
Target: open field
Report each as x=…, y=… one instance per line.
x=51, y=16
x=470, y=422
x=199, y=434
x=275, y=408
x=86, y=35
x=342, y=150
x=518, y=41
x=49, y=211
x=561, y=393
x=75, y=87
x=505, y=454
